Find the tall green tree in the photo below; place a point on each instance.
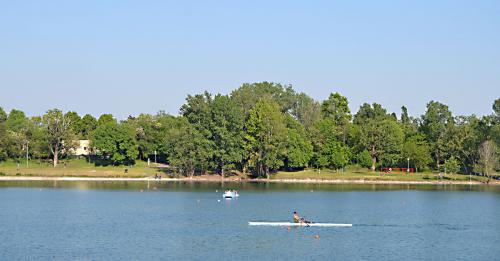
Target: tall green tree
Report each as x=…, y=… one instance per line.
x=16, y=121
x=383, y=139
x=412, y=147
x=306, y=110
x=330, y=151
x=189, y=148
x=164, y=123
x=19, y=133
x=336, y=108
x=364, y=159
x=39, y=143
x=405, y=118
x=105, y=118
x=226, y=127
x=60, y=136
x=416, y=151
x=299, y=149
x=381, y=135
x=248, y=95
x=408, y=123
x=452, y=165
x=463, y=139
x=494, y=131
x=145, y=126
x=197, y=110
x=76, y=123
x=3, y=134
x=333, y=155
x=150, y=135
x=436, y=124
x=220, y=120
x=116, y=141
x=3, y=115
x=88, y=125
x=367, y=113
x=265, y=137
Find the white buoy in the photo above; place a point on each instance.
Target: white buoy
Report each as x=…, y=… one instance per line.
x=218, y=200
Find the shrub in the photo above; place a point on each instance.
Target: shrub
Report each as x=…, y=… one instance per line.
x=364, y=159
x=452, y=165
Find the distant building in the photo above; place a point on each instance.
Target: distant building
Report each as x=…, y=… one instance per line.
x=83, y=148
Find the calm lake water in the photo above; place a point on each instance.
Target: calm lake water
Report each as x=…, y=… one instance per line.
x=191, y=221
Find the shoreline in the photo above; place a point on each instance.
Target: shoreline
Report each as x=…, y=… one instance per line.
x=297, y=181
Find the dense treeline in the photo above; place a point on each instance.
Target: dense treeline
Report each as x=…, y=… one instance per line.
x=263, y=127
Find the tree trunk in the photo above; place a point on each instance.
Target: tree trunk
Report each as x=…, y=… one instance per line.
x=437, y=162
x=56, y=155
x=222, y=170
x=245, y=168
x=374, y=163
x=374, y=159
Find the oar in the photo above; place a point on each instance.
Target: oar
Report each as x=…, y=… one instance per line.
x=307, y=222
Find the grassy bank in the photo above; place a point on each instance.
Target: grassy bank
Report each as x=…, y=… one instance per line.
x=76, y=168
x=82, y=168
x=365, y=174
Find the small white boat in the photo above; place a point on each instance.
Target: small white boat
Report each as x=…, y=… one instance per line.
x=253, y=223
x=230, y=194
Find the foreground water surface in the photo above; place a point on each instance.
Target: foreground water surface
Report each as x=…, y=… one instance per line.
x=190, y=221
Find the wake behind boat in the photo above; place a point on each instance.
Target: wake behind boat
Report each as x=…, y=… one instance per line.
x=260, y=223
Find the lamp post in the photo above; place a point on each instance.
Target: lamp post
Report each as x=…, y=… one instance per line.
x=27, y=153
x=445, y=167
x=408, y=165
x=155, y=157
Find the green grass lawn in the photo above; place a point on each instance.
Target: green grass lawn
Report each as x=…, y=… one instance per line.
x=353, y=173
x=76, y=168
x=81, y=168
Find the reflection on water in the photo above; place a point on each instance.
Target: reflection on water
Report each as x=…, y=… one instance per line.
x=250, y=186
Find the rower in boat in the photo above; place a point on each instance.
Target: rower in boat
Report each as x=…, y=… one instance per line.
x=282, y=223
x=300, y=220
x=296, y=217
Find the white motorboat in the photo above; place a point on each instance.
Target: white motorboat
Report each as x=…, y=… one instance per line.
x=230, y=194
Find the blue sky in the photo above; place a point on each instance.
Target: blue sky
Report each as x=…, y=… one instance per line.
x=127, y=57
